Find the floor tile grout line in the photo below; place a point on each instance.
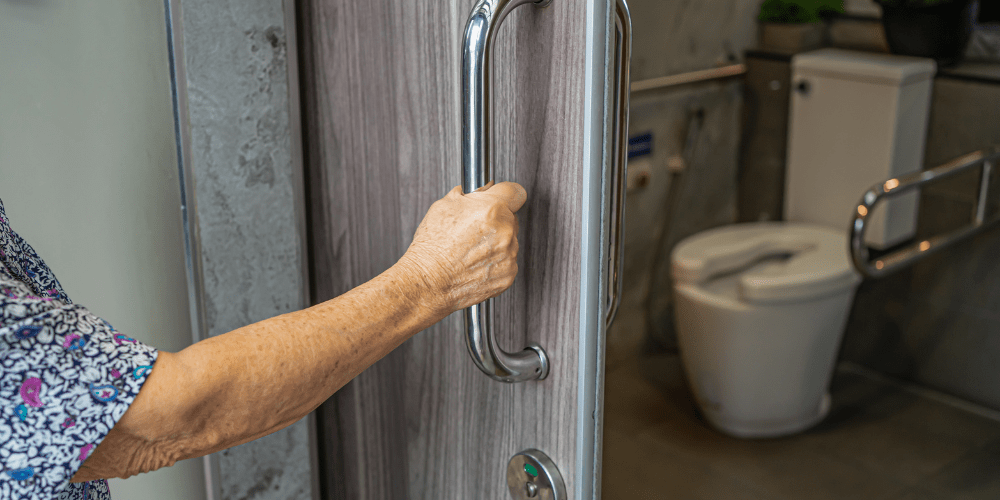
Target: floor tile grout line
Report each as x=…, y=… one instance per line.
x=922, y=391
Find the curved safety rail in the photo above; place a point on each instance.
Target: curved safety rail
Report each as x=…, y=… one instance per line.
x=899, y=259
x=623, y=53
x=477, y=112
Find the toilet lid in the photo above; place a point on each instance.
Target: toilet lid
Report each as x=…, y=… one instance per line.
x=775, y=261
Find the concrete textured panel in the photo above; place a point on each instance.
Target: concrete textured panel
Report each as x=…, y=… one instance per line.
x=273, y=467
x=238, y=101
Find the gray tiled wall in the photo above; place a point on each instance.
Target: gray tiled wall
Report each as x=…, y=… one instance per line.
x=938, y=323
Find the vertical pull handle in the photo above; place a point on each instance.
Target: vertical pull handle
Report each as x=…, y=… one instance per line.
x=623, y=55
x=477, y=112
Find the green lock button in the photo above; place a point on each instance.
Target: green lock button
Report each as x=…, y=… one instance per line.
x=531, y=470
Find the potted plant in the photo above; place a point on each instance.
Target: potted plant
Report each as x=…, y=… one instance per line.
x=795, y=25
x=938, y=29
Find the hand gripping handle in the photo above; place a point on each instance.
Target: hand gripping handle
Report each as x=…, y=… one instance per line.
x=477, y=110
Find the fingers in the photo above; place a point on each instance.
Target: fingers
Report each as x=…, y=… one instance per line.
x=510, y=193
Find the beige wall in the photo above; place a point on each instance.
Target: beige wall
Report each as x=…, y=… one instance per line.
x=89, y=177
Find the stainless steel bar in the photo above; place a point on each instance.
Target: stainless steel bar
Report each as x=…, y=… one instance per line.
x=623, y=41
x=984, y=186
x=690, y=77
x=898, y=259
x=477, y=110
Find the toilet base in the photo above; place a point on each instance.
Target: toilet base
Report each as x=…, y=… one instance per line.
x=741, y=429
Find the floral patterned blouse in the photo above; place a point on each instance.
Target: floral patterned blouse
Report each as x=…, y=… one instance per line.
x=66, y=378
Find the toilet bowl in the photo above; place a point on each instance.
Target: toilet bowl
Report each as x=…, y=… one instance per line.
x=761, y=307
x=760, y=311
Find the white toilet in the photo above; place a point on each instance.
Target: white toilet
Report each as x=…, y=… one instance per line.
x=761, y=307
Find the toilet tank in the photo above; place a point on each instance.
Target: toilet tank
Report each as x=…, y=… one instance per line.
x=855, y=119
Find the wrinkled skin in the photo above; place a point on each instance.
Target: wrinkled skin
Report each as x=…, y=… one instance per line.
x=465, y=249
x=233, y=388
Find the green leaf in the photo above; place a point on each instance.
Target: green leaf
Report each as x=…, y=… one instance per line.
x=798, y=11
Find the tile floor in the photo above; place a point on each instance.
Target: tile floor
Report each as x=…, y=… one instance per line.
x=879, y=442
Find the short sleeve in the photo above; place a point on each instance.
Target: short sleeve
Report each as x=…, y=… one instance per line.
x=66, y=378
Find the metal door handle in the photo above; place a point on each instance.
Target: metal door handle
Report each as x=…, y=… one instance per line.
x=477, y=111
x=623, y=43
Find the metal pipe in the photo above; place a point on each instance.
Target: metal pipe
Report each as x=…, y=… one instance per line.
x=893, y=187
x=704, y=75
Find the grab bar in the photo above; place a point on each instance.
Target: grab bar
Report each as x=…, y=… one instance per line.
x=703, y=75
x=477, y=173
x=898, y=259
x=616, y=267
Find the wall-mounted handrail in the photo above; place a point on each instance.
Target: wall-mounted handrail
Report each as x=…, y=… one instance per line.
x=896, y=260
x=699, y=76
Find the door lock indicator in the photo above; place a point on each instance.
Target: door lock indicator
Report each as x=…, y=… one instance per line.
x=533, y=472
x=531, y=475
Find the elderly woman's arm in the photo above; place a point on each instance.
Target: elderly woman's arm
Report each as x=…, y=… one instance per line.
x=243, y=385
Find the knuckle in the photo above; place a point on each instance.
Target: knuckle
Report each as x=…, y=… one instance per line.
x=512, y=275
x=504, y=238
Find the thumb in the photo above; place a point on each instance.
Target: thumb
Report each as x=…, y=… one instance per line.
x=511, y=193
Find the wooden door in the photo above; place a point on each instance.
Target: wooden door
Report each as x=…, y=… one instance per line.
x=381, y=106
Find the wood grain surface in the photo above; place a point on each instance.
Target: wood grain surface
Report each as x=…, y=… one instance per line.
x=380, y=86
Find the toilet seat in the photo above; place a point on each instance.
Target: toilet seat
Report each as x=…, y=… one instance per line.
x=817, y=262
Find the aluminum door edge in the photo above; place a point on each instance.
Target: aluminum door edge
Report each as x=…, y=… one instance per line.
x=597, y=94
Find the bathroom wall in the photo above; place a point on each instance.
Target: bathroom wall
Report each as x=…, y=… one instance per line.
x=671, y=37
x=938, y=322
x=674, y=36
x=862, y=29
x=89, y=177
x=664, y=206
x=244, y=146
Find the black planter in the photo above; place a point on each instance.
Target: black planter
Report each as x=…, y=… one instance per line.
x=940, y=32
